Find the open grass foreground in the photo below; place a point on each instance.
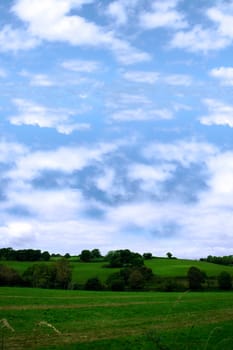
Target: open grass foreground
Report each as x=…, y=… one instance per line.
x=52, y=319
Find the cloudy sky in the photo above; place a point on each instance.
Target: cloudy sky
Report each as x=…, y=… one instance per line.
x=116, y=126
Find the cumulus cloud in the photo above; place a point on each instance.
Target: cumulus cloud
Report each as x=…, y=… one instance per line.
x=64, y=159
x=139, y=114
x=219, y=113
x=10, y=151
x=199, y=39
x=16, y=39
x=215, y=37
x=43, y=117
x=141, y=76
x=223, y=74
x=163, y=15
x=178, y=80
x=81, y=66
x=150, y=176
x=183, y=152
x=51, y=20
x=117, y=10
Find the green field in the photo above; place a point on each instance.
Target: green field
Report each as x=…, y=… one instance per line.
x=161, y=267
x=52, y=319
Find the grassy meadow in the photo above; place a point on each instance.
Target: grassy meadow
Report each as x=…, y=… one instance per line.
x=58, y=319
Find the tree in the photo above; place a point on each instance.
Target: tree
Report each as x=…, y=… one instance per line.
x=40, y=276
x=225, y=280
x=85, y=255
x=9, y=276
x=136, y=280
x=147, y=256
x=124, y=258
x=116, y=281
x=95, y=254
x=196, y=277
x=169, y=255
x=45, y=256
x=63, y=273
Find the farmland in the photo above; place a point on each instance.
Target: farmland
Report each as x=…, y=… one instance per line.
x=55, y=319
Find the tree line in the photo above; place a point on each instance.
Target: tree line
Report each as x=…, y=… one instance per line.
x=132, y=275
x=220, y=260
x=24, y=254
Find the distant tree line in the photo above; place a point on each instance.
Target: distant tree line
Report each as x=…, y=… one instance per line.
x=23, y=254
x=221, y=260
x=132, y=273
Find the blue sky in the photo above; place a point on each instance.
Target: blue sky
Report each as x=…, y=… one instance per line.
x=116, y=126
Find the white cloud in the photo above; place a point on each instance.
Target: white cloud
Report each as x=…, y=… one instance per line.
x=51, y=20
x=38, y=79
x=105, y=181
x=64, y=159
x=10, y=150
x=82, y=66
x=219, y=113
x=199, y=39
x=224, y=74
x=16, y=39
x=41, y=80
x=183, y=152
x=3, y=73
x=221, y=180
x=178, y=80
x=163, y=15
x=117, y=10
x=141, y=76
x=38, y=115
x=63, y=203
x=139, y=114
x=150, y=176
x=222, y=15
x=120, y=11
x=216, y=37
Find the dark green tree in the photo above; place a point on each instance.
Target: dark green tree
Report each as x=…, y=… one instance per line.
x=93, y=283
x=95, y=254
x=9, y=276
x=136, y=280
x=147, y=256
x=63, y=273
x=225, y=280
x=196, y=278
x=124, y=258
x=85, y=255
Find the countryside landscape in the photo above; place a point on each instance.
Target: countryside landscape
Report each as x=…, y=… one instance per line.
x=116, y=175
x=145, y=302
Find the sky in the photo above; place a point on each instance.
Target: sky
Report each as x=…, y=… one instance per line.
x=116, y=122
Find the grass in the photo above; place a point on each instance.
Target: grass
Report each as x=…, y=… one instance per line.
x=179, y=267
x=107, y=320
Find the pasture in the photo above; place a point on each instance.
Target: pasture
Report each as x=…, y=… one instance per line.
x=56, y=319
